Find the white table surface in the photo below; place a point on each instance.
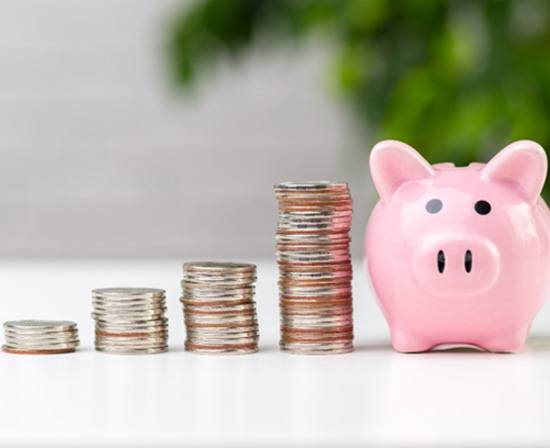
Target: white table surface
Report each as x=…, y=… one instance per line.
x=372, y=397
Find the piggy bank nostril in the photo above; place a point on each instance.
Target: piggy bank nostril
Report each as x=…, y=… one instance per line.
x=468, y=259
x=456, y=266
x=441, y=261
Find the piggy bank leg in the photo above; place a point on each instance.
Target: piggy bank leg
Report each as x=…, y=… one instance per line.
x=509, y=342
x=409, y=342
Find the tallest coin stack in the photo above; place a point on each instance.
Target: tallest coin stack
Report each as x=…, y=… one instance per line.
x=315, y=267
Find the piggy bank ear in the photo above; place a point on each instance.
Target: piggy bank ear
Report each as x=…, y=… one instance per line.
x=393, y=163
x=522, y=164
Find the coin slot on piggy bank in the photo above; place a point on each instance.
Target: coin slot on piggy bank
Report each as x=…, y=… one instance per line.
x=459, y=255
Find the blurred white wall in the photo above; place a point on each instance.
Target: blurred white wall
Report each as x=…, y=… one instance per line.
x=98, y=157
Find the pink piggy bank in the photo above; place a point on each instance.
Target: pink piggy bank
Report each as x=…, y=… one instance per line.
x=459, y=255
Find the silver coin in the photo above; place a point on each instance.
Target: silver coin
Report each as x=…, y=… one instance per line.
x=159, y=307
x=128, y=303
x=156, y=323
x=317, y=320
x=153, y=325
x=220, y=328
x=298, y=313
x=315, y=276
x=128, y=300
x=222, y=318
x=298, y=219
x=118, y=330
x=229, y=331
x=223, y=351
x=18, y=340
x=220, y=300
x=298, y=223
x=295, y=248
x=315, y=289
x=213, y=302
x=308, y=245
x=135, y=342
x=131, y=351
x=129, y=348
x=222, y=309
x=122, y=319
x=212, y=275
x=216, y=266
x=313, y=226
x=314, y=204
x=328, y=295
x=221, y=342
x=288, y=202
x=137, y=315
x=193, y=277
x=207, y=295
x=133, y=316
x=229, y=334
x=317, y=214
x=212, y=289
x=186, y=301
x=40, y=325
x=220, y=272
x=125, y=328
x=304, y=249
x=123, y=337
x=100, y=335
x=315, y=350
x=310, y=191
x=36, y=338
x=216, y=332
x=312, y=258
x=326, y=212
x=240, y=319
x=128, y=291
x=224, y=342
x=236, y=332
x=315, y=185
x=37, y=333
x=197, y=282
x=123, y=341
x=40, y=338
x=42, y=346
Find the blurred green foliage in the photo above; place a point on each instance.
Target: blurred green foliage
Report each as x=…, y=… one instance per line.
x=456, y=79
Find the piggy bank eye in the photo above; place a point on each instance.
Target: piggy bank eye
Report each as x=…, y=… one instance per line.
x=434, y=206
x=482, y=207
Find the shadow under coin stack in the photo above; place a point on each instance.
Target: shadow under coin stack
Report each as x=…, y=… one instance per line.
x=315, y=269
x=219, y=308
x=40, y=337
x=130, y=320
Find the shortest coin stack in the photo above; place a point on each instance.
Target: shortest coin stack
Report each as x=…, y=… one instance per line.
x=40, y=337
x=130, y=320
x=219, y=309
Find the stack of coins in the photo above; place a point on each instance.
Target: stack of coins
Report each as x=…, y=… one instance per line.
x=218, y=307
x=40, y=337
x=130, y=320
x=315, y=269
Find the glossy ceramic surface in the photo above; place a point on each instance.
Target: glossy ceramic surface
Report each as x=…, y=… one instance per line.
x=459, y=255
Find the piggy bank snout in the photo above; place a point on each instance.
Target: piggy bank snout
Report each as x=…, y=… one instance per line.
x=455, y=266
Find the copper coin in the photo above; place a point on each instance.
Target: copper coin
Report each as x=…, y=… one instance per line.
x=37, y=351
